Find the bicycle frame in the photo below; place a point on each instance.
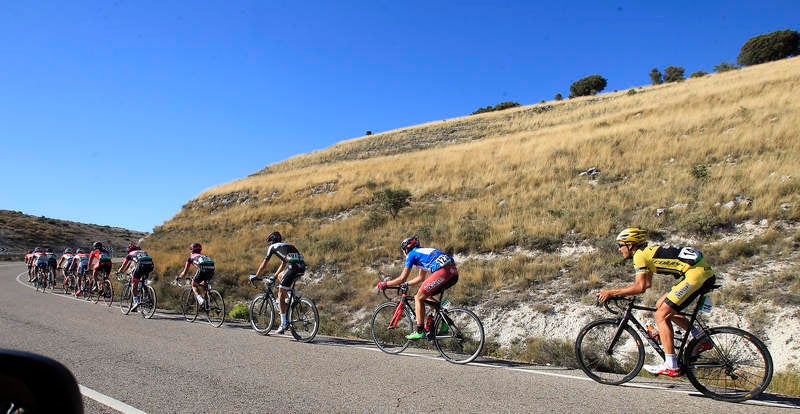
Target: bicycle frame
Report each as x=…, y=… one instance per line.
x=405, y=303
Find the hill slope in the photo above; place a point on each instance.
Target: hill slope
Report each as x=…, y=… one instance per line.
x=713, y=162
x=21, y=232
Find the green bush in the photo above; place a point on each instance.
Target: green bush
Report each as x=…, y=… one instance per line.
x=673, y=74
x=239, y=311
x=769, y=47
x=498, y=107
x=698, y=74
x=656, y=77
x=724, y=67
x=589, y=85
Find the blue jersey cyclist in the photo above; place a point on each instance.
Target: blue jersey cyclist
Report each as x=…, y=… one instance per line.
x=436, y=268
x=292, y=266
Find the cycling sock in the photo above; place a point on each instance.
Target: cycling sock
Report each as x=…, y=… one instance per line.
x=200, y=299
x=671, y=360
x=283, y=319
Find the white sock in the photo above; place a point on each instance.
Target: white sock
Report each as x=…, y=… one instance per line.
x=283, y=319
x=671, y=361
x=200, y=299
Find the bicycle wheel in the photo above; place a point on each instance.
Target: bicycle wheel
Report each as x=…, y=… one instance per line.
x=147, y=301
x=189, y=305
x=388, y=338
x=606, y=360
x=125, y=299
x=459, y=335
x=107, y=292
x=215, y=311
x=737, y=366
x=304, y=321
x=262, y=314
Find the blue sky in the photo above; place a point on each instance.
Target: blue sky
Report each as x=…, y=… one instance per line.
x=119, y=112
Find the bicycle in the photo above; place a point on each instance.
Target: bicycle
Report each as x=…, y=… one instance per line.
x=146, y=295
x=724, y=363
x=69, y=282
x=457, y=333
x=302, y=315
x=213, y=305
x=101, y=290
x=40, y=278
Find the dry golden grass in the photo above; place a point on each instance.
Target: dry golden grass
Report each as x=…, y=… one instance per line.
x=510, y=179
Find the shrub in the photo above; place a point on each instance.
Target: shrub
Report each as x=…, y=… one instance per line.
x=559, y=97
x=724, y=67
x=589, y=85
x=698, y=74
x=392, y=200
x=239, y=311
x=655, y=76
x=673, y=74
x=769, y=47
x=498, y=107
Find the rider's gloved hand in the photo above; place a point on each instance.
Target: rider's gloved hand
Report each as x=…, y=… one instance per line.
x=252, y=277
x=382, y=285
x=271, y=279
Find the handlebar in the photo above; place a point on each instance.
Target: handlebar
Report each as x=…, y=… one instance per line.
x=401, y=289
x=617, y=304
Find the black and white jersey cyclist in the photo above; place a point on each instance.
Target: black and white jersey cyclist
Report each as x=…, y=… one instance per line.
x=292, y=266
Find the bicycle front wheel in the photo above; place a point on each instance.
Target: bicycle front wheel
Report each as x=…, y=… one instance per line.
x=458, y=335
x=125, y=299
x=729, y=364
x=391, y=337
x=215, y=312
x=606, y=357
x=189, y=305
x=147, y=302
x=304, y=321
x=261, y=314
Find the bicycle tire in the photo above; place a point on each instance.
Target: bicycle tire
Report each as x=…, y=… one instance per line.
x=461, y=340
x=107, y=293
x=215, y=309
x=40, y=282
x=304, y=322
x=147, y=301
x=391, y=340
x=618, y=367
x=125, y=299
x=189, y=305
x=737, y=368
x=262, y=314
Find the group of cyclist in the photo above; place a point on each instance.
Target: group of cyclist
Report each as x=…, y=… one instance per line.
x=437, y=272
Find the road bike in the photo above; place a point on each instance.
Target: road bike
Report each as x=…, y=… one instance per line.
x=213, y=305
x=69, y=281
x=146, y=295
x=724, y=362
x=102, y=289
x=264, y=312
x=40, y=276
x=457, y=333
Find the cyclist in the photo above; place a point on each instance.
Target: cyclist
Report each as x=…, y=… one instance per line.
x=39, y=259
x=143, y=266
x=52, y=262
x=103, y=264
x=292, y=266
x=65, y=262
x=693, y=275
x=205, y=270
x=29, y=263
x=79, y=265
x=437, y=269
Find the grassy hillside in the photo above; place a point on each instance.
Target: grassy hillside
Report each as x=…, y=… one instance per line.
x=703, y=161
x=21, y=232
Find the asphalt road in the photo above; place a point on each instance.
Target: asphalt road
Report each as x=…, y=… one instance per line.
x=167, y=365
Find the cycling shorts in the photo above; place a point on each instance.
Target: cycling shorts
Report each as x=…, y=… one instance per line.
x=81, y=268
x=291, y=274
x=142, y=271
x=202, y=275
x=103, y=266
x=696, y=280
x=440, y=280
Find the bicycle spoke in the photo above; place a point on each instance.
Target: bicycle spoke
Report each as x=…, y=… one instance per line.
x=459, y=335
x=388, y=338
x=609, y=365
x=305, y=320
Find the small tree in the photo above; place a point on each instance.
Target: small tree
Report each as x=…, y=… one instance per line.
x=769, y=47
x=559, y=97
x=368, y=133
x=698, y=74
x=673, y=74
x=655, y=76
x=392, y=200
x=589, y=85
x=724, y=67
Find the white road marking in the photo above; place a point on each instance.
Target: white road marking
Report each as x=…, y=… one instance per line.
x=109, y=402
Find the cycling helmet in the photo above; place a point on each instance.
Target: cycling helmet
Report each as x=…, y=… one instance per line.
x=196, y=248
x=274, y=237
x=132, y=247
x=37, y=250
x=67, y=251
x=79, y=251
x=633, y=235
x=408, y=244
x=48, y=250
x=97, y=245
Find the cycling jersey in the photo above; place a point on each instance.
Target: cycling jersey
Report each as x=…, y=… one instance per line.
x=295, y=262
x=683, y=263
x=39, y=259
x=29, y=259
x=204, y=265
x=80, y=262
x=103, y=257
x=143, y=264
x=66, y=260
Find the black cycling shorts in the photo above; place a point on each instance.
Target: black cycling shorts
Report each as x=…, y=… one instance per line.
x=291, y=274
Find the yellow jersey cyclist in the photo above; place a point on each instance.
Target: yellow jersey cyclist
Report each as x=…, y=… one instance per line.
x=692, y=273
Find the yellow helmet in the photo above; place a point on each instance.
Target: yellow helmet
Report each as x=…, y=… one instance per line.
x=632, y=235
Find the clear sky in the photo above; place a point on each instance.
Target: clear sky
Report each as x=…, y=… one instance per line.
x=119, y=112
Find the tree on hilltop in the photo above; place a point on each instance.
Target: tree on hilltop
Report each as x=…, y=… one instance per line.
x=673, y=74
x=655, y=76
x=589, y=85
x=769, y=47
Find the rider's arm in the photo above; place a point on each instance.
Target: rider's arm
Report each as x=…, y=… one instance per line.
x=124, y=265
x=400, y=279
x=643, y=282
x=185, y=268
x=261, y=267
x=420, y=277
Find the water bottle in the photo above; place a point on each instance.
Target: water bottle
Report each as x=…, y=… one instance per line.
x=445, y=303
x=652, y=333
x=429, y=323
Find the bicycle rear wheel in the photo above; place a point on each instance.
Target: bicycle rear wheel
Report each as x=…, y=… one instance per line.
x=262, y=314
x=388, y=338
x=125, y=299
x=304, y=321
x=606, y=360
x=189, y=305
x=107, y=292
x=459, y=335
x=215, y=312
x=737, y=367
x=147, y=301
